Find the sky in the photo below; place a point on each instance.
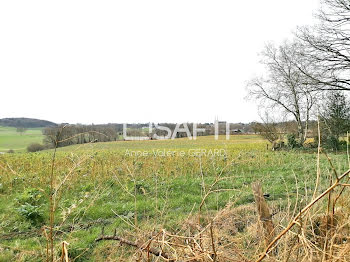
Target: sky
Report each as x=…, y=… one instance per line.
x=138, y=61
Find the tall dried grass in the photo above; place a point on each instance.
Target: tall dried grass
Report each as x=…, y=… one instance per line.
x=307, y=229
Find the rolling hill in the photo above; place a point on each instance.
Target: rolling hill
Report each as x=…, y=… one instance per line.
x=26, y=122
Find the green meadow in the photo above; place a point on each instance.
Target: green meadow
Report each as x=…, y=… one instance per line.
x=11, y=139
x=118, y=186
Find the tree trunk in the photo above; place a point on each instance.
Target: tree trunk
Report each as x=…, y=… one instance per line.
x=300, y=131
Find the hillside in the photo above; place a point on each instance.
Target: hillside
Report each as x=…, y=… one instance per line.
x=25, y=122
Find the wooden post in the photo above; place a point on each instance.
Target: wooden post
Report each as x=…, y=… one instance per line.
x=264, y=213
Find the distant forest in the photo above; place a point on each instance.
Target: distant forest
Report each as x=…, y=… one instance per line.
x=66, y=135
x=80, y=134
x=70, y=134
x=26, y=123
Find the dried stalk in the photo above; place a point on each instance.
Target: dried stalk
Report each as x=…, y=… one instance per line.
x=50, y=257
x=264, y=212
x=148, y=249
x=301, y=213
x=212, y=242
x=318, y=171
x=64, y=257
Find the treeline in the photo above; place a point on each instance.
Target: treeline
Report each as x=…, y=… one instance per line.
x=208, y=129
x=332, y=123
x=80, y=134
x=306, y=79
x=66, y=135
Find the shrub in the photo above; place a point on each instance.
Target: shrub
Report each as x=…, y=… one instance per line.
x=292, y=142
x=11, y=151
x=33, y=213
x=30, y=205
x=34, y=147
x=332, y=142
x=342, y=143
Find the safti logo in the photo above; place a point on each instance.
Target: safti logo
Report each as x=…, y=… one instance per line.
x=179, y=128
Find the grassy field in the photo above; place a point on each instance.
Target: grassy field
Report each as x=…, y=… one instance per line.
x=10, y=139
x=140, y=188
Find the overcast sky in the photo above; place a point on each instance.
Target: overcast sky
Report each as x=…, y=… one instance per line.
x=137, y=61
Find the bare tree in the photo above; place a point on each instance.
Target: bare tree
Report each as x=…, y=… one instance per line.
x=267, y=129
x=327, y=45
x=284, y=87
